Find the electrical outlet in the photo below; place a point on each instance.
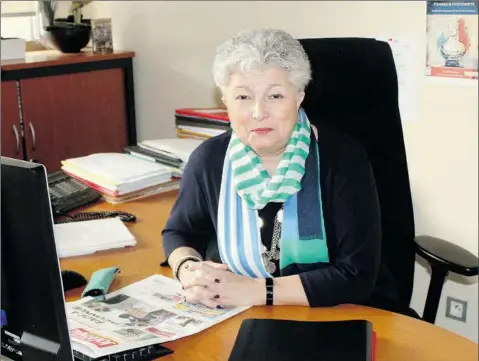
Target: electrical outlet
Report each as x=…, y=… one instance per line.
x=456, y=309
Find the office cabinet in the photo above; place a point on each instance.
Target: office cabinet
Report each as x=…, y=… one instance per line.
x=68, y=110
x=73, y=115
x=11, y=127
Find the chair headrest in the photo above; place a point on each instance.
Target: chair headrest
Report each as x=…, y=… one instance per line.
x=360, y=72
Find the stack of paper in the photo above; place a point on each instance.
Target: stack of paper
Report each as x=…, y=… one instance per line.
x=118, y=176
x=171, y=152
x=201, y=123
x=80, y=238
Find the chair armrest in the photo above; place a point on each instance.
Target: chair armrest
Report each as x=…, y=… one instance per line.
x=453, y=258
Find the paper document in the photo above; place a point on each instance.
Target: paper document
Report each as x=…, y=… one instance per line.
x=117, y=168
x=209, y=131
x=86, y=237
x=182, y=148
x=406, y=58
x=100, y=185
x=147, y=312
x=116, y=173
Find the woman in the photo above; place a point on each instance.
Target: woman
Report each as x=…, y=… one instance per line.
x=276, y=211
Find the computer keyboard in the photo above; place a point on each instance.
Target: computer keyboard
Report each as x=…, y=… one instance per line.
x=147, y=353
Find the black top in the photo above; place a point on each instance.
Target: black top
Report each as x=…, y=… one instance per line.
x=355, y=273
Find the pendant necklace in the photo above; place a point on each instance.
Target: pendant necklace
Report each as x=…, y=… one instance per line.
x=273, y=253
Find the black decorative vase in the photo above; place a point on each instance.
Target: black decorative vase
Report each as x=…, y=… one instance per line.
x=69, y=37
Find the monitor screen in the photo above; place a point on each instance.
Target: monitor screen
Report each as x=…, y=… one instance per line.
x=34, y=323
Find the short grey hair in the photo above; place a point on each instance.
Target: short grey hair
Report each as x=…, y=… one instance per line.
x=260, y=49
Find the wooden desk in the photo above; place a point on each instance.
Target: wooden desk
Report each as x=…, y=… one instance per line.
x=399, y=337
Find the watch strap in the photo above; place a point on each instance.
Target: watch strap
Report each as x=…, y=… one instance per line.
x=269, y=291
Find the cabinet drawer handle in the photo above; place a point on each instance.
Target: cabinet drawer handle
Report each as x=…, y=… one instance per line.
x=34, y=138
x=15, y=131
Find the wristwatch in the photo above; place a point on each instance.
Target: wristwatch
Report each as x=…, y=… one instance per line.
x=269, y=291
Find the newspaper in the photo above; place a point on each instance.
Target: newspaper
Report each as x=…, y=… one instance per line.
x=147, y=312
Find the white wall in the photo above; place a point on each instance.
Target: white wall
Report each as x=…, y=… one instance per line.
x=175, y=43
x=9, y=7
x=20, y=26
x=28, y=27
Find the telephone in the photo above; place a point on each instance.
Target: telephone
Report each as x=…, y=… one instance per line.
x=67, y=193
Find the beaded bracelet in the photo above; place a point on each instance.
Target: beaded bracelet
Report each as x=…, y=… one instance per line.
x=181, y=261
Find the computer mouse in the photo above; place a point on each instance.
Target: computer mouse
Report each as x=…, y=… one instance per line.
x=72, y=279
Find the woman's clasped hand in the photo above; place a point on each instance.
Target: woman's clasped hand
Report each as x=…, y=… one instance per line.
x=213, y=285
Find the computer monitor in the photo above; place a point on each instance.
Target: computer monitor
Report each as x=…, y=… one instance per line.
x=32, y=291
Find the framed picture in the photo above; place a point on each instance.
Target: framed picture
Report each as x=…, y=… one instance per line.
x=452, y=42
x=101, y=36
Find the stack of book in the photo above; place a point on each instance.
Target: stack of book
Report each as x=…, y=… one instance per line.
x=119, y=177
x=170, y=152
x=201, y=123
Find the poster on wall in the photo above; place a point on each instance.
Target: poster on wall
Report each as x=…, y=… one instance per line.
x=406, y=53
x=452, y=39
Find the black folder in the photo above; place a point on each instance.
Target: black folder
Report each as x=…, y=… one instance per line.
x=285, y=340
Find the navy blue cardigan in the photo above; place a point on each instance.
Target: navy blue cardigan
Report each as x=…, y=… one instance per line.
x=355, y=274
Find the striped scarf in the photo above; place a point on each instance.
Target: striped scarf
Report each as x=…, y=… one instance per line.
x=252, y=181
x=247, y=187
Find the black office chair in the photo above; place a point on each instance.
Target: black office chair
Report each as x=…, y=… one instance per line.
x=355, y=90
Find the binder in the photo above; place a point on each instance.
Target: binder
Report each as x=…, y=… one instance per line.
x=285, y=340
x=217, y=114
x=153, y=156
x=202, y=123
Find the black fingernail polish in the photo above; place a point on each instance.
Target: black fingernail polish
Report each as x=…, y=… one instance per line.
x=219, y=307
x=217, y=296
x=217, y=280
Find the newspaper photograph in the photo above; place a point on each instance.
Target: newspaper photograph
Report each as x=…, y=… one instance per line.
x=147, y=312
x=452, y=39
